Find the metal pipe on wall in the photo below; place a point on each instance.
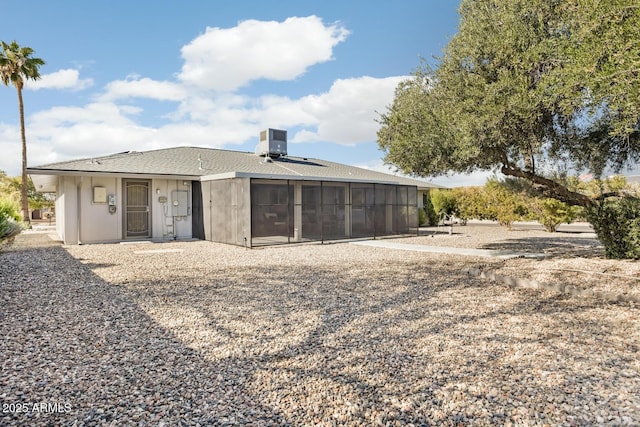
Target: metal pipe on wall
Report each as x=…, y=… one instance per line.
x=79, y=208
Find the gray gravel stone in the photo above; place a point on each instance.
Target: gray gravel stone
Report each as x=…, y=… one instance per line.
x=301, y=335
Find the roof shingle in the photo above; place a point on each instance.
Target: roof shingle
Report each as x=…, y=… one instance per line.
x=201, y=162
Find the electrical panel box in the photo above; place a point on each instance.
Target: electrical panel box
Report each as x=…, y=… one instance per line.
x=179, y=203
x=99, y=195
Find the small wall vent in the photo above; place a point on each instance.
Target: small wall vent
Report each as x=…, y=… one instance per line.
x=272, y=143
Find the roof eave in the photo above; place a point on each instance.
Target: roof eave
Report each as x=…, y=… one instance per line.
x=230, y=175
x=226, y=175
x=69, y=172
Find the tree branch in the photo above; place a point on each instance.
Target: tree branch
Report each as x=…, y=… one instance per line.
x=549, y=188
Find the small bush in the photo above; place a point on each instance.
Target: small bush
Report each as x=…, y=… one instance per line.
x=504, y=205
x=10, y=208
x=616, y=222
x=471, y=203
x=431, y=216
x=443, y=201
x=9, y=229
x=422, y=217
x=551, y=213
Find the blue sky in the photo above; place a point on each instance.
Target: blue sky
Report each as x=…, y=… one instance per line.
x=141, y=75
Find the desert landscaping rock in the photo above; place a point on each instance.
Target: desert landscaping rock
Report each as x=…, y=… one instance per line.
x=567, y=260
x=198, y=333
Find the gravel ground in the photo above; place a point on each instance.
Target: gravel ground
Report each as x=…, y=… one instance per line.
x=198, y=333
x=559, y=258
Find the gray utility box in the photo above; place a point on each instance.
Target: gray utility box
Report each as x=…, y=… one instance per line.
x=179, y=203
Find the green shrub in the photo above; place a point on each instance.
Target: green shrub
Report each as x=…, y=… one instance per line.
x=503, y=204
x=471, y=203
x=616, y=222
x=422, y=217
x=10, y=208
x=551, y=212
x=431, y=216
x=10, y=220
x=9, y=228
x=443, y=201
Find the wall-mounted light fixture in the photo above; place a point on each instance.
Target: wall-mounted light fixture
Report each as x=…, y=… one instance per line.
x=157, y=191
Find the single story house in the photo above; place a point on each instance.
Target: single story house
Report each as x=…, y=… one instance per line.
x=240, y=198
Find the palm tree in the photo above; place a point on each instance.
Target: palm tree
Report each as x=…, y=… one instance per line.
x=16, y=65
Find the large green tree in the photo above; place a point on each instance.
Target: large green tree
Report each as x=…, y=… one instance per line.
x=525, y=87
x=17, y=65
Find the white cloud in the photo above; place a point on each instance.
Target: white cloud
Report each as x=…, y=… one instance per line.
x=376, y=165
x=281, y=112
x=226, y=59
x=200, y=135
x=212, y=108
x=61, y=133
x=97, y=129
x=458, y=180
x=221, y=60
x=98, y=112
x=143, y=88
x=11, y=149
x=347, y=113
x=62, y=79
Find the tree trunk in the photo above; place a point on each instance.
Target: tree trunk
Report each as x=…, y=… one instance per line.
x=25, y=183
x=549, y=188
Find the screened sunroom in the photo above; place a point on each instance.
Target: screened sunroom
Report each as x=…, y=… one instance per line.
x=290, y=211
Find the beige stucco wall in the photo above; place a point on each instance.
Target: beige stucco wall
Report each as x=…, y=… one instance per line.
x=163, y=223
x=96, y=223
x=80, y=219
x=66, y=208
x=421, y=194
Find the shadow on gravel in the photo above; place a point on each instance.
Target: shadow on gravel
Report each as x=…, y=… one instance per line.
x=96, y=265
x=552, y=246
x=391, y=345
x=441, y=231
x=78, y=351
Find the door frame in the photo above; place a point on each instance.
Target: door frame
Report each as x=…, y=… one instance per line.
x=125, y=183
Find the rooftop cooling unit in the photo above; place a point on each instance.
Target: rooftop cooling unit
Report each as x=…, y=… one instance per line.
x=272, y=143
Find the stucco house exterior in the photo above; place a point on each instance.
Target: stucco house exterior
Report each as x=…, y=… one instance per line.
x=240, y=198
